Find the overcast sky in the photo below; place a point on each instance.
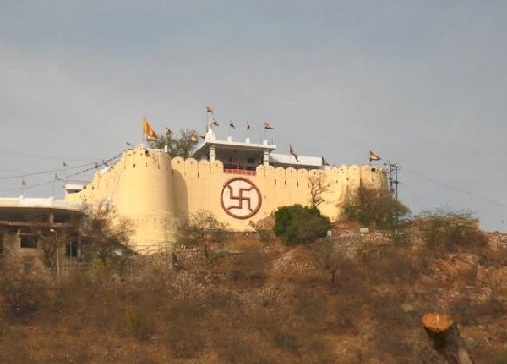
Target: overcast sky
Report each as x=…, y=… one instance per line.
x=422, y=83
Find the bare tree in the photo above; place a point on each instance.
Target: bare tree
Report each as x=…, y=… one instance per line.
x=202, y=229
x=107, y=237
x=318, y=187
x=329, y=257
x=48, y=245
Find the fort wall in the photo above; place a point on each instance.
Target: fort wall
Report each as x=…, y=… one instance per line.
x=154, y=191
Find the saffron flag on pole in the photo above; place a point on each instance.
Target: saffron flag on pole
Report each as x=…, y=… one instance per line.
x=267, y=126
x=374, y=156
x=148, y=130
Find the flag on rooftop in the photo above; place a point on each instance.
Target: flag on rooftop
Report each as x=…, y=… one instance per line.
x=215, y=121
x=209, y=109
x=148, y=130
x=267, y=126
x=247, y=125
x=231, y=124
x=374, y=156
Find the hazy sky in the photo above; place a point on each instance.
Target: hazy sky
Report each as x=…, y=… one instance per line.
x=422, y=83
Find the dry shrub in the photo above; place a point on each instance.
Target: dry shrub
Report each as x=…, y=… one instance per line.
x=394, y=265
x=471, y=312
x=138, y=323
x=3, y=322
x=241, y=348
x=23, y=293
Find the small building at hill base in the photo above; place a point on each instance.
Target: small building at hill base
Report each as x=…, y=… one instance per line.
x=25, y=223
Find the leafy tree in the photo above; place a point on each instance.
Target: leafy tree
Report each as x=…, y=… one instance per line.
x=375, y=208
x=300, y=225
x=450, y=229
x=202, y=229
x=177, y=146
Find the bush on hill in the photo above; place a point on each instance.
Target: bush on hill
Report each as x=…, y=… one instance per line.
x=300, y=225
x=450, y=230
x=375, y=208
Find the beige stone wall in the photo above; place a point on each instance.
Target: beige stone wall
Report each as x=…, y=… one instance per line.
x=152, y=190
x=140, y=187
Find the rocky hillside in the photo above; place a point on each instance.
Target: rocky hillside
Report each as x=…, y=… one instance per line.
x=349, y=298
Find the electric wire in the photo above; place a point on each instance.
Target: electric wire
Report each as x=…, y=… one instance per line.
x=90, y=166
x=458, y=189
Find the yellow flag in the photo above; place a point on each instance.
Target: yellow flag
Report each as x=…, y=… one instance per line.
x=148, y=130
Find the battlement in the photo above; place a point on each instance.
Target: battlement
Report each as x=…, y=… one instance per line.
x=155, y=191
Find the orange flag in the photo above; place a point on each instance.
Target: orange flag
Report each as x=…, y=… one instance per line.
x=148, y=130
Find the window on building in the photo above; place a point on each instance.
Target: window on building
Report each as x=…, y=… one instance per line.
x=28, y=241
x=71, y=249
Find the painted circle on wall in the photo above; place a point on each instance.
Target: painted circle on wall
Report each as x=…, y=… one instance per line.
x=240, y=198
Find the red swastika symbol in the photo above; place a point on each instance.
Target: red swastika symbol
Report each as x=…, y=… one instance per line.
x=240, y=198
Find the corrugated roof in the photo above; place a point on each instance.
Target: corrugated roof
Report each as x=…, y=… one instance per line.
x=291, y=160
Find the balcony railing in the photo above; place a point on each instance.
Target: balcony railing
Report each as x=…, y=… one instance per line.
x=244, y=172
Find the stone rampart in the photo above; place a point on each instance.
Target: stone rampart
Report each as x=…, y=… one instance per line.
x=154, y=191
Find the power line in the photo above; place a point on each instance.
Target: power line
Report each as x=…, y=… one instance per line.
x=458, y=189
x=93, y=165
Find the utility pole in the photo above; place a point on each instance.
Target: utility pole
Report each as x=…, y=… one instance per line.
x=57, y=254
x=393, y=178
x=393, y=169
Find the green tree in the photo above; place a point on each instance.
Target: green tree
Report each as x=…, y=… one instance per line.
x=451, y=230
x=300, y=225
x=177, y=146
x=375, y=208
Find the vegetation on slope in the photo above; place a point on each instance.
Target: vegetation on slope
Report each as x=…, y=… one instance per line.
x=350, y=299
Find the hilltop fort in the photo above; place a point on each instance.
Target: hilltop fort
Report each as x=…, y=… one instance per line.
x=239, y=182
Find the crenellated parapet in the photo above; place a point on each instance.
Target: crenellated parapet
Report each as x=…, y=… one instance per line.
x=155, y=191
